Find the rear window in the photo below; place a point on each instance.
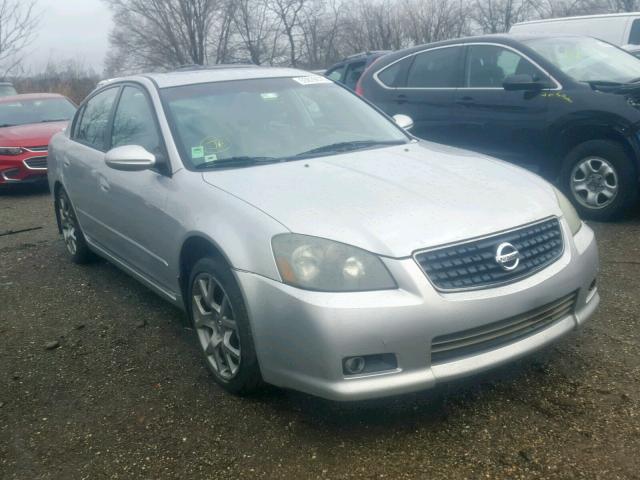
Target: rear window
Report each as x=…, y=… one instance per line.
x=392, y=75
x=435, y=69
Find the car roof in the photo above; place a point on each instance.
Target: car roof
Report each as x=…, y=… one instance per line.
x=216, y=74
x=29, y=96
x=579, y=17
x=501, y=38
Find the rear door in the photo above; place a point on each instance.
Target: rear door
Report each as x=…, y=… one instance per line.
x=427, y=91
x=84, y=159
x=511, y=125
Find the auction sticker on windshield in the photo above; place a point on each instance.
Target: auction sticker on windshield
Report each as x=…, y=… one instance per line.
x=311, y=80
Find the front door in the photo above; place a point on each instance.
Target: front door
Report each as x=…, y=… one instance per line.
x=510, y=125
x=135, y=202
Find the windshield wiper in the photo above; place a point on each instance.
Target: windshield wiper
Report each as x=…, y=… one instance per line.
x=54, y=120
x=238, y=162
x=347, y=147
x=7, y=125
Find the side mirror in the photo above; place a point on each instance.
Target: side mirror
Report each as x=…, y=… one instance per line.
x=403, y=121
x=522, y=83
x=130, y=158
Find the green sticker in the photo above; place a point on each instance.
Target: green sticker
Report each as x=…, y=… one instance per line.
x=197, y=152
x=269, y=96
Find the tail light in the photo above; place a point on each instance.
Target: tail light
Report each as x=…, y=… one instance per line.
x=359, y=90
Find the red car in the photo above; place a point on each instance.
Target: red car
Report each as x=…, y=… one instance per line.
x=27, y=123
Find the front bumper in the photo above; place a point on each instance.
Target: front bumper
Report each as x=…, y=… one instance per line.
x=24, y=168
x=301, y=337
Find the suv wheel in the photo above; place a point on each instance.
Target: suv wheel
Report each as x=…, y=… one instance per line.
x=72, y=234
x=600, y=179
x=221, y=324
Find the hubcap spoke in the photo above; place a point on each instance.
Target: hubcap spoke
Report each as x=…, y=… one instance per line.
x=594, y=182
x=217, y=329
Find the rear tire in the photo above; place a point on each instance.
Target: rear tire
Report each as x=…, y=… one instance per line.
x=74, y=240
x=221, y=324
x=600, y=179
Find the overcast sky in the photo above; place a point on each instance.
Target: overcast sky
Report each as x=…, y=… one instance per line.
x=71, y=29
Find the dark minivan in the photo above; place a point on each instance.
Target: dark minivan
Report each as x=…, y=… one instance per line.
x=567, y=107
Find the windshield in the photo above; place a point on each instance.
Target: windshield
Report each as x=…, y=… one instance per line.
x=24, y=112
x=587, y=59
x=232, y=123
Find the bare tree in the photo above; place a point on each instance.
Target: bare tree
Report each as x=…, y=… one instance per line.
x=497, y=16
x=18, y=26
x=320, y=25
x=434, y=20
x=288, y=12
x=161, y=33
x=256, y=28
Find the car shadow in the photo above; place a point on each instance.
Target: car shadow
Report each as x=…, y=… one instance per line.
x=23, y=190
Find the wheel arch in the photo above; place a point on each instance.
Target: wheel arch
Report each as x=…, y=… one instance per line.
x=566, y=139
x=195, y=247
x=57, y=187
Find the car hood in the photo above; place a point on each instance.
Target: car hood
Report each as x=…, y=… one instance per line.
x=30, y=135
x=394, y=201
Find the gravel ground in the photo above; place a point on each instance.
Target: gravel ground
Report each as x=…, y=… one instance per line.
x=100, y=378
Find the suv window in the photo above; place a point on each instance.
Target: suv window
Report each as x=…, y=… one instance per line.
x=336, y=74
x=95, y=119
x=435, y=69
x=634, y=35
x=134, y=121
x=488, y=66
x=392, y=75
x=354, y=71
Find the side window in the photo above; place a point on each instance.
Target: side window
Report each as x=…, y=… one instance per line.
x=488, y=66
x=336, y=74
x=134, y=122
x=634, y=34
x=392, y=75
x=93, y=124
x=435, y=69
x=354, y=71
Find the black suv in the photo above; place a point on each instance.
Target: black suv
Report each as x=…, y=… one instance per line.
x=348, y=71
x=567, y=107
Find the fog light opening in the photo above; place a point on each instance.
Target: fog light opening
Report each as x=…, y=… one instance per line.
x=369, y=364
x=354, y=365
x=594, y=285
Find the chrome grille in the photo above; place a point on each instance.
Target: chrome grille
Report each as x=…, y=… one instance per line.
x=38, y=149
x=453, y=346
x=472, y=265
x=36, y=163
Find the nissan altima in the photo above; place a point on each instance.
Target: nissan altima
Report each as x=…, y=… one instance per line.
x=312, y=241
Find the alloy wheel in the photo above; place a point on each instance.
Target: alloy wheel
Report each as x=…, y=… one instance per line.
x=216, y=327
x=594, y=182
x=68, y=224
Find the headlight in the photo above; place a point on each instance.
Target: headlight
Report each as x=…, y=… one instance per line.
x=568, y=212
x=10, y=150
x=315, y=263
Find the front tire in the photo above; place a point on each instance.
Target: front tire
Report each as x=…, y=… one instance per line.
x=74, y=240
x=600, y=179
x=221, y=324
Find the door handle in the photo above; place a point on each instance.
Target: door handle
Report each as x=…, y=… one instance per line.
x=465, y=101
x=104, y=184
x=402, y=98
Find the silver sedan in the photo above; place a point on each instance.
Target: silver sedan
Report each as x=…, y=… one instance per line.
x=313, y=243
